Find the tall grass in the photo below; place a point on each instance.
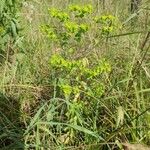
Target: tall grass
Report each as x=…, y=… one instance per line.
x=34, y=110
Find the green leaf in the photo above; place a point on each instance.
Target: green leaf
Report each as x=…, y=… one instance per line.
x=35, y=119
x=120, y=117
x=2, y=5
x=13, y=29
x=76, y=127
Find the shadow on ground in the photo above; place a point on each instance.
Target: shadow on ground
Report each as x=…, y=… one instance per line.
x=11, y=134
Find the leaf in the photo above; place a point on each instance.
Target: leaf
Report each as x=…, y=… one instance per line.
x=35, y=118
x=2, y=5
x=10, y=2
x=76, y=127
x=120, y=116
x=46, y=130
x=131, y=17
x=13, y=29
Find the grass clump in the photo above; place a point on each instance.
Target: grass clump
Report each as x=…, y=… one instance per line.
x=78, y=78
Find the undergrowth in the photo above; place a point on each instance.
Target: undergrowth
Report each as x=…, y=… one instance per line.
x=78, y=77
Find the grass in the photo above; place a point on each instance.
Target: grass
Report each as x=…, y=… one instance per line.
x=36, y=114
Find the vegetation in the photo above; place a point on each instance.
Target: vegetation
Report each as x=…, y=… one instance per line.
x=9, y=26
x=74, y=75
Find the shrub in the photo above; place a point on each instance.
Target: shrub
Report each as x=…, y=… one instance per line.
x=9, y=25
x=70, y=29
x=80, y=82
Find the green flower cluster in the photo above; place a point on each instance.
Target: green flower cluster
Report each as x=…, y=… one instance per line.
x=76, y=29
x=49, y=32
x=81, y=11
x=73, y=25
x=77, y=83
x=108, y=23
x=70, y=29
x=81, y=66
x=56, y=13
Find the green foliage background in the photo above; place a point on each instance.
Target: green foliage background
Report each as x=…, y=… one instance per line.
x=9, y=22
x=77, y=77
